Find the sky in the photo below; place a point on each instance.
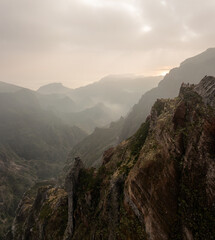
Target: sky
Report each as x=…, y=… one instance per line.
x=77, y=42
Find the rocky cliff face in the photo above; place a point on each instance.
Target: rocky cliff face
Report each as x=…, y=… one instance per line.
x=42, y=214
x=157, y=185
x=190, y=71
x=91, y=149
x=33, y=146
x=16, y=175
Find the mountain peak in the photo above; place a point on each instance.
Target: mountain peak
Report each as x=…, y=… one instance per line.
x=53, y=88
x=202, y=57
x=206, y=89
x=8, y=87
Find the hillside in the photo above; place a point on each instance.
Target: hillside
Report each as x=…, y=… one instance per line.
x=34, y=144
x=91, y=148
x=157, y=185
x=7, y=87
x=117, y=93
x=53, y=88
x=16, y=175
x=191, y=70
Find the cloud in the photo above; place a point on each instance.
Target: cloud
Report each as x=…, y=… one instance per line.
x=79, y=41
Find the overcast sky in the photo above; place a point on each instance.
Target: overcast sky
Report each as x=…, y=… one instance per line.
x=80, y=41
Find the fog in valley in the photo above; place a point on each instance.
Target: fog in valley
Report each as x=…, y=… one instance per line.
x=107, y=120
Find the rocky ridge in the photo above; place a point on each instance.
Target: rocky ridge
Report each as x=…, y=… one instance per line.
x=189, y=71
x=157, y=185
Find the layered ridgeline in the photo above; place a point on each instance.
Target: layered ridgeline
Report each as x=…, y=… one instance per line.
x=191, y=70
x=34, y=133
x=119, y=92
x=34, y=144
x=38, y=129
x=91, y=148
x=96, y=104
x=157, y=185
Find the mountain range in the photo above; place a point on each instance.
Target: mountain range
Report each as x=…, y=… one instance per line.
x=34, y=144
x=37, y=132
x=191, y=70
x=157, y=185
x=44, y=131
x=99, y=103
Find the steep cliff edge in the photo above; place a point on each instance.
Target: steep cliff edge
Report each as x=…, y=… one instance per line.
x=157, y=185
x=171, y=187
x=190, y=71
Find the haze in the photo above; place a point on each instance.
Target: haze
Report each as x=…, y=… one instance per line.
x=80, y=41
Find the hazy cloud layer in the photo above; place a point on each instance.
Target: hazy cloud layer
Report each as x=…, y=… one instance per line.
x=79, y=41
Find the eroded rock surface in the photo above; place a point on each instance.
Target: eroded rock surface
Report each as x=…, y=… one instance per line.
x=157, y=185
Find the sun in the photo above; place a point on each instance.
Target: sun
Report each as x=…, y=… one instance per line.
x=163, y=73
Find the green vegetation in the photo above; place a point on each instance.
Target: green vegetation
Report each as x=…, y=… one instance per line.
x=190, y=95
x=45, y=212
x=90, y=181
x=195, y=213
x=158, y=106
x=130, y=226
x=139, y=138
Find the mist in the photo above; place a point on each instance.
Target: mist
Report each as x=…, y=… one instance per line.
x=107, y=119
x=80, y=42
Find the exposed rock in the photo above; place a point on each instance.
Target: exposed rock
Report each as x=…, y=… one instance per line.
x=70, y=187
x=206, y=89
x=169, y=185
x=42, y=214
x=157, y=185
x=190, y=71
x=91, y=149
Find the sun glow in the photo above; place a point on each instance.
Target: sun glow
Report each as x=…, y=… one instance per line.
x=94, y=3
x=146, y=29
x=163, y=73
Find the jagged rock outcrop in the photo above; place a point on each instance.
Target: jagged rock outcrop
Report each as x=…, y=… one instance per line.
x=206, y=89
x=172, y=184
x=16, y=176
x=70, y=187
x=47, y=212
x=91, y=149
x=157, y=185
x=33, y=146
x=190, y=71
x=42, y=213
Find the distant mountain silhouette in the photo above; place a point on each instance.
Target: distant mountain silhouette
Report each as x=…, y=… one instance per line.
x=53, y=88
x=34, y=144
x=118, y=92
x=82, y=106
x=91, y=148
x=191, y=70
x=7, y=87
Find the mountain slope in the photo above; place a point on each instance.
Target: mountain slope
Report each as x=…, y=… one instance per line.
x=34, y=144
x=16, y=175
x=90, y=118
x=57, y=103
x=54, y=88
x=157, y=185
x=191, y=70
x=91, y=148
x=32, y=132
x=7, y=87
x=118, y=92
